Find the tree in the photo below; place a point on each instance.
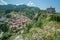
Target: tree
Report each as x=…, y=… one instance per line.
x=6, y=36
x=55, y=17
x=27, y=28
x=4, y=27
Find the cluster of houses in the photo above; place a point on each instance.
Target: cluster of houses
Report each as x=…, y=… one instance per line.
x=19, y=22
x=16, y=22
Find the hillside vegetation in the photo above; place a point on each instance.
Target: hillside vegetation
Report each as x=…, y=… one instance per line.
x=28, y=23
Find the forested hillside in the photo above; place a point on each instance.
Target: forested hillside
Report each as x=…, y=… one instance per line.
x=28, y=23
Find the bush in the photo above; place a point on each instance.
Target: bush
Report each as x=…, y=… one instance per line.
x=4, y=27
x=55, y=17
x=27, y=28
x=6, y=36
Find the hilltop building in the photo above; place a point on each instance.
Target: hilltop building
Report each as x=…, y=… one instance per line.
x=50, y=10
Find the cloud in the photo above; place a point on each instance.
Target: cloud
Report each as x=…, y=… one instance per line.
x=2, y=2
x=17, y=4
x=30, y=4
x=20, y=4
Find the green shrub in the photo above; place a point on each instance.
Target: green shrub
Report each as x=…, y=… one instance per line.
x=55, y=17
x=4, y=27
x=6, y=36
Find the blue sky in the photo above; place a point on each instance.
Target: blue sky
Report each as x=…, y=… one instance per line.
x=42, y=4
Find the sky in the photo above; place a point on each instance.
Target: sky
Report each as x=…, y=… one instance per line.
x=42, y=4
